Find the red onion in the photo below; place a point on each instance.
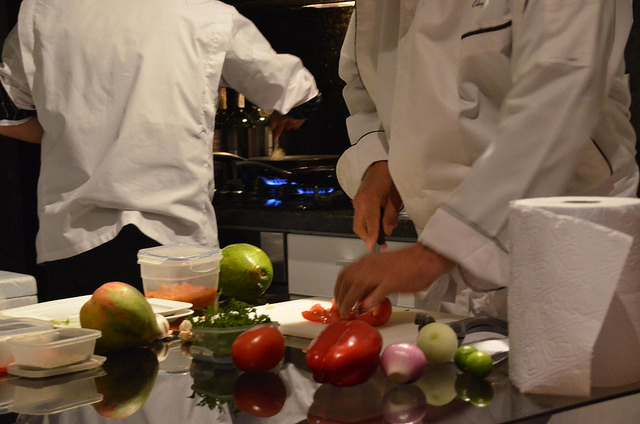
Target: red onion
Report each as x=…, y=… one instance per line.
x=403, y=362
x=404, y=404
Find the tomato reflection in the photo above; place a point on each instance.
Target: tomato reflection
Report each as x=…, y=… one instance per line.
x=260, y=394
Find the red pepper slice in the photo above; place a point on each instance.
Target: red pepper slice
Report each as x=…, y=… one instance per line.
x=346, y=353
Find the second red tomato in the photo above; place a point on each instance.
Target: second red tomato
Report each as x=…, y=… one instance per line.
x=258, y=349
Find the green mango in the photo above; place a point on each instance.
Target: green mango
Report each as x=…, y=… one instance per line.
x=122, y=314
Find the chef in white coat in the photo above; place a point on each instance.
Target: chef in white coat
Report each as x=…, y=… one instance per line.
x=126, y=92
x=458, y=107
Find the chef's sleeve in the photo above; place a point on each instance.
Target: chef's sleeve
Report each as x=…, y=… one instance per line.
x=16, y=103
x=10, y=114
x=564, y=54
x=270, y=80
x=366, y=134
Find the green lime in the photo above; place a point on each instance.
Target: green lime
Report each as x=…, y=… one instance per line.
x=479, y=364
x=480, y=393
x=476, y=391
x=460, y=357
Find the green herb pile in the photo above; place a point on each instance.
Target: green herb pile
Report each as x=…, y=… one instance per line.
x=235, y=314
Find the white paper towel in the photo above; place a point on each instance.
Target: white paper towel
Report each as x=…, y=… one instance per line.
x=574, y=296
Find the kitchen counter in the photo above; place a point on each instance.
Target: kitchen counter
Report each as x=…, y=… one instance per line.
x=164, y=384
x=180, y=390
x=318, y=222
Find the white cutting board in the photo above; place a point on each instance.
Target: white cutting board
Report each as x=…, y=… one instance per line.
x=399, y=328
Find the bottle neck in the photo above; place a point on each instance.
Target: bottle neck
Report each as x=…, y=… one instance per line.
x=222, y=104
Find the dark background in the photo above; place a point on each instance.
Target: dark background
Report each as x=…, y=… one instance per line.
x=315, y=35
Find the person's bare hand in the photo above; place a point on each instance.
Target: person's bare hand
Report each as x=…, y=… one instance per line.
x=280, y=123
x=377, y=192
x=374, y=276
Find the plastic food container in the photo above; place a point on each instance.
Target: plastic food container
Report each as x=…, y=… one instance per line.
x=52, y=395
x=6, y=393
x=213, y=344
x=181, y=272
x=54, y=348
x=17, y=326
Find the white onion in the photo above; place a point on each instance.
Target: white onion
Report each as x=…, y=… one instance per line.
x=403, y=362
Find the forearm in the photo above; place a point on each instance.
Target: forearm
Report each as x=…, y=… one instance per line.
x=17, y=123
x=30, y=131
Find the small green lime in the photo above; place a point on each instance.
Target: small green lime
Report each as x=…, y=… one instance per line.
x=460, y=357
x=480, y=393
x=479, y=364
x=476, y=391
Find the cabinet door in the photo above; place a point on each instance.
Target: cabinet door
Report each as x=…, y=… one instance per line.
x=314, y=263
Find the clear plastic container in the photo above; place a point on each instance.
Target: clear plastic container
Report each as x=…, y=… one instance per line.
x=54, y=348
x=13, y=327
x=52, y=395
x=181, y=272
x=213, y=344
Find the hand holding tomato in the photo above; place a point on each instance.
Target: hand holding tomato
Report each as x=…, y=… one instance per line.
x=374, y=276
x=375, y=316
x=260, y=348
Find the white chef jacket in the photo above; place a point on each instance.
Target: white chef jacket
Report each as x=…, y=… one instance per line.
x=475, y=103
x=126, y=91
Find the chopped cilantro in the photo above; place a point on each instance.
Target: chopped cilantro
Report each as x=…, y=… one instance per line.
x=235, y=314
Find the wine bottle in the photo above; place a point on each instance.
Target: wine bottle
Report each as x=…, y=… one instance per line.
x=260, y=139
x=222, y=122
x=241, y=123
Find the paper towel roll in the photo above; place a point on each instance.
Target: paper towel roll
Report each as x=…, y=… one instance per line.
x=574, y=296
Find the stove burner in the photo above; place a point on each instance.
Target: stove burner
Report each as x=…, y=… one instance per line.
x=254, y=184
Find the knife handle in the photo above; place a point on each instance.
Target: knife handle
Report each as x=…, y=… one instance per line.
x=476, y=324
x=381, y=237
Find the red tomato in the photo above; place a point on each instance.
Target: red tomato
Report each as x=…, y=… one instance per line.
x=378, y=315
x=317, y=313
x=375, y=316
x=260, y=394
x=260, y=348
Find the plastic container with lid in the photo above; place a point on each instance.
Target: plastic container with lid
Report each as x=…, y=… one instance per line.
x=44, y=396
x=54, y=348
x=14, y=327
x=181, y=272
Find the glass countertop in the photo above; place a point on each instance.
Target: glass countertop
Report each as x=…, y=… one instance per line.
x=170, y=387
